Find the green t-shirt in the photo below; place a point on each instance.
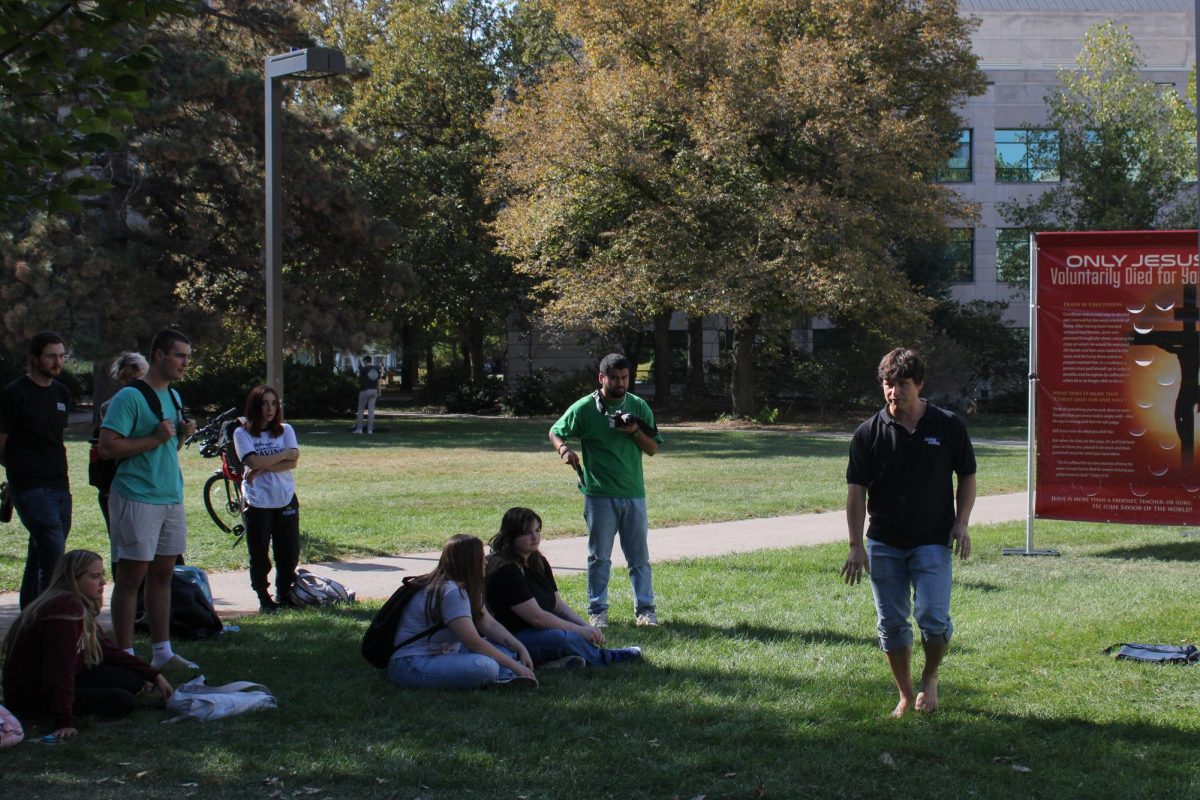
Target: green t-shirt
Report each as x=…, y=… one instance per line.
x=612, y=461
x=153, y=476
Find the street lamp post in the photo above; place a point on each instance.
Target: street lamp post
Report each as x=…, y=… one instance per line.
x=312, y=63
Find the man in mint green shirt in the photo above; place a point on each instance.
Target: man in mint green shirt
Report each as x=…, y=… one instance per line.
x=615, y=428
x=145, y=506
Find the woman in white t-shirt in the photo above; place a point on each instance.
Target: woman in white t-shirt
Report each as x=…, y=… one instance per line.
x=449, y=640
x=267, y=448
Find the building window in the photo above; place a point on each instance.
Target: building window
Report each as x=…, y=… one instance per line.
x=958, y=166
x=1012, y=255
x=1026, y=156
x=960, y=255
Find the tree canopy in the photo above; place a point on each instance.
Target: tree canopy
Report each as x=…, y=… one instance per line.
x=741, y=158
x=1127, y=146
x=69, y=77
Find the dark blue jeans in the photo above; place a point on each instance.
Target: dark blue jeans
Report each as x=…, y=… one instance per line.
x=552, y=644
x=46, y=514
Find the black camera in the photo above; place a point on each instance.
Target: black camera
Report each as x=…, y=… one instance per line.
x=622, y=418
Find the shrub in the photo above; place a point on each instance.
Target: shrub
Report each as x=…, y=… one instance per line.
x=546, y=392
x=471, y=399
x=310, y=390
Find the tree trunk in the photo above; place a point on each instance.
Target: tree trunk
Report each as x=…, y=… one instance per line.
x=474, y=351
x=631, y=345
x=662, y=359
x=743, y=389
x=408, y=357
x=695, y=373
x=428, y=362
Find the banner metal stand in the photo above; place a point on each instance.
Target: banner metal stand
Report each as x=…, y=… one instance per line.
x=1029, y=549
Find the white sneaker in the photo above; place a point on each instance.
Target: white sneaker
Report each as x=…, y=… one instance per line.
x=599, y=620
x=647, y=620
x=356, y=430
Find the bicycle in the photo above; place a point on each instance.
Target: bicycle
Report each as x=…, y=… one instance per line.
x=223, y=489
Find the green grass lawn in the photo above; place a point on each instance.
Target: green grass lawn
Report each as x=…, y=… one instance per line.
x=420, y=480
x=764, y=681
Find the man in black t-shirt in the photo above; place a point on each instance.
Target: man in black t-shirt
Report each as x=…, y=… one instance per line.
x=903, y=461
x=33, y=414
x=368, y=391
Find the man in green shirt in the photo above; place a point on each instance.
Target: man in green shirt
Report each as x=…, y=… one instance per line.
x=614, y=428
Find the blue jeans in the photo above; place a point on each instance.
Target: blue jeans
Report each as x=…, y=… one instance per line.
x=552, y=644
x=46, y=514
x=461, y=670
x=900, y=577
x=607, y=517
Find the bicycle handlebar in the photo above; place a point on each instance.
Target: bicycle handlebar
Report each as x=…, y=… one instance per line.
x=212, y=427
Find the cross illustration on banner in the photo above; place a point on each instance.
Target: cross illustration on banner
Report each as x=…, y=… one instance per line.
x=1185, y=345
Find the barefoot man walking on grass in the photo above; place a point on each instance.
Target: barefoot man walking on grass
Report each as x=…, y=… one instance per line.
x=902, y=466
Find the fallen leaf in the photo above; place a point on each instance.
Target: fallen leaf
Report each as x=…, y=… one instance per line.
x=142, y=774
x=699, y=797
x=1021, y=768
x=887, y=760
x=653, y=743
x=730, y=774
x=276, y=793
x=271, y=779
x=189, y=785
x=381, y=780
x=1002, y=760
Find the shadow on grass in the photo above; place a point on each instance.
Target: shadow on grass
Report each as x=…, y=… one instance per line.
x=314, y=548
x=1166, y=551
x=689, y=726
x=763, y=633
x=978, y=586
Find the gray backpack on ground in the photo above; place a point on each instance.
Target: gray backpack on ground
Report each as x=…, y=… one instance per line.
x=313, y=590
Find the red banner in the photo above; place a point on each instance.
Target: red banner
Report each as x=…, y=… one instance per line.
x=1118, y=364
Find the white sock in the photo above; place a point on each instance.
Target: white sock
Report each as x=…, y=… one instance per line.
x=164, y=655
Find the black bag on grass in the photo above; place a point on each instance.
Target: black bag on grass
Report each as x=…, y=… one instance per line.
x=192, y=612
x=379, y=641
x=1156, y=653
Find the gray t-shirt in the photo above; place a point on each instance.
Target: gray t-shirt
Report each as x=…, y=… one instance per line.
x=455, y=604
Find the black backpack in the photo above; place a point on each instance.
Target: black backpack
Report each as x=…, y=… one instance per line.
x=378, y=644
x=192, y=612
x=102, y=471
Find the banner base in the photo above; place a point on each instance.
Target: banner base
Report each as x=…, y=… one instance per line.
x=1021, y=551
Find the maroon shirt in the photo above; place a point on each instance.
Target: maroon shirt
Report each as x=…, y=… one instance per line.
x=40, y=670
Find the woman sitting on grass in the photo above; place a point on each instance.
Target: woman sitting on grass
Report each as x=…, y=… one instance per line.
x=449, y=623
x=58, y=663
x=521, y=591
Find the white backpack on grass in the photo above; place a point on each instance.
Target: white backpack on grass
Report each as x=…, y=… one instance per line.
x=197, y=700
x=313, y=590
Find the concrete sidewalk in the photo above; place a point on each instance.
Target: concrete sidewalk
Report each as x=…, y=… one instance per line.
x=377, y=578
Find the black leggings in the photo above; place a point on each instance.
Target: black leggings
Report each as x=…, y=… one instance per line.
x=277, y=529
x=106, y=691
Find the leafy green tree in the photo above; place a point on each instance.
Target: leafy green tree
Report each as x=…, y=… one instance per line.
x=1127, y=146
x=436, y=68
x=69, y=77
x=177, y=239
x=748, y=158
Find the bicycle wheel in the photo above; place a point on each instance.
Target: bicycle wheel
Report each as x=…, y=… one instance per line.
x=224, y=502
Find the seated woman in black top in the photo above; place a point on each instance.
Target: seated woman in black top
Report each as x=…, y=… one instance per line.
x=520, y=591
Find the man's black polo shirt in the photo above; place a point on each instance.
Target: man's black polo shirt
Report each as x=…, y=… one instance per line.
x=909, y=477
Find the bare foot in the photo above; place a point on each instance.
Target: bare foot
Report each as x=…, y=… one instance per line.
x=927, y=699
x=906, y=702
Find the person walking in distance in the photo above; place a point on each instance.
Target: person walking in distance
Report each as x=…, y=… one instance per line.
x=903, y=462
x=615, y=429
x=33, y=414
x=145, y=427
x=368, y=392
